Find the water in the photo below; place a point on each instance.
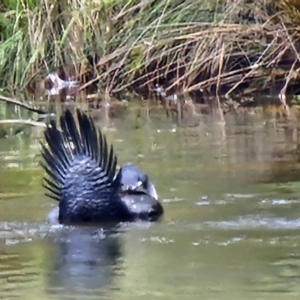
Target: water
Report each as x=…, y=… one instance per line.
x=231, y=228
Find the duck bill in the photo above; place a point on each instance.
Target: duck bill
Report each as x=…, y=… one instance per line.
x=139, y=188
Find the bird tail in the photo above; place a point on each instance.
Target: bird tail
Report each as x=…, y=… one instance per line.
x=77, y=160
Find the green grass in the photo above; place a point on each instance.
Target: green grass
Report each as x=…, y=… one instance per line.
x=185, y=45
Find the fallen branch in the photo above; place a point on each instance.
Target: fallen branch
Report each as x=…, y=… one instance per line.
x=16, y=102
x=27, y=122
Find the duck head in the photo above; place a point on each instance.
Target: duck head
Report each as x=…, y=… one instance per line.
x=138, y=194
x=135, y=180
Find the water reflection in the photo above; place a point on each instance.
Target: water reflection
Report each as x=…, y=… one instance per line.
x=83, y=261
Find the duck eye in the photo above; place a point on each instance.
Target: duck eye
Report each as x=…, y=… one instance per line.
x=145, y=182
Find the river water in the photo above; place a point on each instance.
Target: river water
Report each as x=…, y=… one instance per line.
x=231, y=228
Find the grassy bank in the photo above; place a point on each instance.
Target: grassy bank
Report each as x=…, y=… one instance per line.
x=211, y=47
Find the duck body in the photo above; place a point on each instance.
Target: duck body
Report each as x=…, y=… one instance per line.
x=82, y=177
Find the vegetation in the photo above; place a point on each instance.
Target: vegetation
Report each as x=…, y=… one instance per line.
x=209, y=46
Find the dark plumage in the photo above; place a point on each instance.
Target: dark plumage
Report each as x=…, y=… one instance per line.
x=81, y=175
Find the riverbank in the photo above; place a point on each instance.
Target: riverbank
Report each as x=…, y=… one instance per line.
x=204, y=48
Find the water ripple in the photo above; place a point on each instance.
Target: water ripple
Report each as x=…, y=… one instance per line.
x=254, y=221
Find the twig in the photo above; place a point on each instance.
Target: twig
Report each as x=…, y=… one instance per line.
x=27, y=122
x=221, y=61
x=16, y=102
x=282, y=93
